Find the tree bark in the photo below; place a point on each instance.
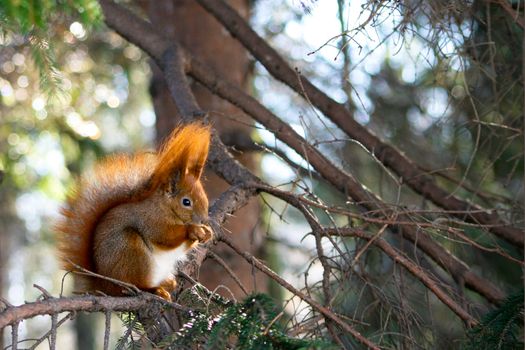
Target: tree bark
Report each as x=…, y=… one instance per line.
x=187, y=22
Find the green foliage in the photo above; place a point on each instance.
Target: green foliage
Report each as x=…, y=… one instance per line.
x=49, y=74
x=250, y=324
x=501, y=328
x=132, y=326
x=27, y=16
x=34, y=20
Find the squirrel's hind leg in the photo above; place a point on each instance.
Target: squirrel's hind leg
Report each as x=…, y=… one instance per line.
x=123, y=255
x=166, y=288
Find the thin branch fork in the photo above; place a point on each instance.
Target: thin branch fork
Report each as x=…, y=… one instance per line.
x=321, y=309
x=341, y=180
x=317, y=229
x=411, y=174
x=410, y=266
x=393, y=253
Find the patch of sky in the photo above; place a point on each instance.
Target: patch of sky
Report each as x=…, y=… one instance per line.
x=121, y=83
x=113, y=138
x=46, y=157
x=147, y=118
x=32, y=207
x=436, y=102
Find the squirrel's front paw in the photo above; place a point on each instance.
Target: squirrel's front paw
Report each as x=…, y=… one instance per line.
x=201, y=233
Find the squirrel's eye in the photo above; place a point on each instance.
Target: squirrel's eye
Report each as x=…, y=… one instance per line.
x=186, y=202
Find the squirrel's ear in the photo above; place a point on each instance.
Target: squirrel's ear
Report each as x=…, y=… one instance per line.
x=197, y=144
x=196, y=161
x=184, y=153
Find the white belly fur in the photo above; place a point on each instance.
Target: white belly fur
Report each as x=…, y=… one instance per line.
x=163, y=263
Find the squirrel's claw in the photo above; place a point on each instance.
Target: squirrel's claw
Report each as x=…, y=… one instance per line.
x=163, y=293
x=201, y=233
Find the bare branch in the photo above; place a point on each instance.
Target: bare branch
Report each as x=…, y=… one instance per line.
x=410, y=173
x=323, y=310
x=507, y=6
x=48, y=334
x=88, y=303
x=417, y=271
x=107, y=329
x=225, y=266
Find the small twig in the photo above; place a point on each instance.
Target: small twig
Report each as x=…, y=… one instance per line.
x=370, y=241
x=107, y=329
x=14, y=335
x=54, y=327
x=187, y=277
x=45, y=336
x=82, y=271
x=316, y=227
x=45, y=293
x=228, y=269
x=62, y=284
x=323, y=310
x=273, y=321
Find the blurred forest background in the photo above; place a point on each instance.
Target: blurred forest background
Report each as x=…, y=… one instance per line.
x=442, y=81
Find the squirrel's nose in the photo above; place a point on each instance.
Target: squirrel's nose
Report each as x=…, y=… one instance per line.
x=199, y=219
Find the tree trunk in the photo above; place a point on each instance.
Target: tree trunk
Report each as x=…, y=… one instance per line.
x=10, y=241
x=204, y=37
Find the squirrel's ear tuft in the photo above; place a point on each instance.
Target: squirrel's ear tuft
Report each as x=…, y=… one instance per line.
x=184, y=152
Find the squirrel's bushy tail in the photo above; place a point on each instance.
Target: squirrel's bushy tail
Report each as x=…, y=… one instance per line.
x=113, y=181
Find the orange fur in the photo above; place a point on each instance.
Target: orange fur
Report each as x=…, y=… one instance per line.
x=122, y=179
x=117, y=179
x=188, y=145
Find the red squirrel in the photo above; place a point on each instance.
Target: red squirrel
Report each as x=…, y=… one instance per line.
x=135, y=216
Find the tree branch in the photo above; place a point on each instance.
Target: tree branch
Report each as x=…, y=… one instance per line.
x=89, y=303
x=385, y=246
x=415, y=270
x=410, y=173
x=223, y=163
x=323, y=310
x=454, y=266
x=341, y=180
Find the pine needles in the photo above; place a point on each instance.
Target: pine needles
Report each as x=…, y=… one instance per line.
x=501, y=329
x=133, y=326
x=215, y=323
x=34, y=20
x=251, y=324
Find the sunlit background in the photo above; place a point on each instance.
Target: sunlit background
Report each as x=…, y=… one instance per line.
x=100, y=104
